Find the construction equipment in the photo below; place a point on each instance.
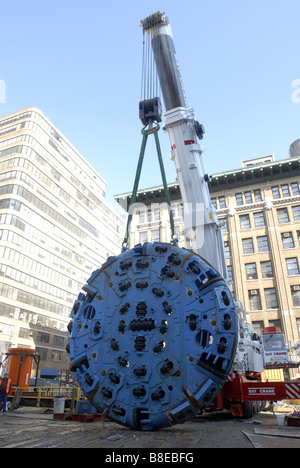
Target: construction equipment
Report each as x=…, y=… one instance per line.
x=156, y=337
x=275, y=348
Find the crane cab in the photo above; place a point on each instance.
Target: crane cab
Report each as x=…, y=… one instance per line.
x=274, y=347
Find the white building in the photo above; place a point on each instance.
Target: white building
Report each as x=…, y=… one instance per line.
x=56, y=228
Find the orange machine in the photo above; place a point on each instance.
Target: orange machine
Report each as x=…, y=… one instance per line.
x=19, y=366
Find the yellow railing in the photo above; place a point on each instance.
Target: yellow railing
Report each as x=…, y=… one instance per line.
x=50, y=392
x=37, y=394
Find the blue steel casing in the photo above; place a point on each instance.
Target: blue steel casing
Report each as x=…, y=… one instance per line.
x=153, y=338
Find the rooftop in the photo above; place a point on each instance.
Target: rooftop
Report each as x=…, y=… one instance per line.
x=250, y=174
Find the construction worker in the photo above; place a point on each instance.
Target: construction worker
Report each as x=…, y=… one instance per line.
x=5, y=388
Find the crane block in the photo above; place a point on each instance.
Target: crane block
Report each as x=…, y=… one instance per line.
x=153, y=336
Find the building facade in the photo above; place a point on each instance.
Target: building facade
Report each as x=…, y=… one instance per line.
x=56, y=228
x=258, y=207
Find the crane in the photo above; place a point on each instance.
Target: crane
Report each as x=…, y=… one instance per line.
x=202, y=230
x=155, y=336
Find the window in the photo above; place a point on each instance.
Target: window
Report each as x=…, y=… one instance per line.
x=143, y=236
x=251, y=271
x=149, y=216
x=214, y=203
x=230, y=274
x=292, y=266
x=271, y=298
x=266, y=269
x=222, y=203
x=283, y=215
x=157, y=214
x=285, y=191
x=239, y=198
x=58, y=340
x=24, y=333
x=259, y=219
x=287, y=240
x=295, y=290
x=142, y=217
x=56, y=356
x=257, y=195
x=223, y=224
x=258, y=326
x=248, y=197
x=275, y=323
x=43, y=337
x=227, y=250
x=263, y=245
x=296, y=212
x=42, y=352
x=275, y=191
x=254, y=299
x=245, y=222
x=295, y=189
x=155, y=235
x=248, y=247
x=298, y=326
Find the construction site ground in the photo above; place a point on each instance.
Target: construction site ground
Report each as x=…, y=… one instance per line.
x=33, y=428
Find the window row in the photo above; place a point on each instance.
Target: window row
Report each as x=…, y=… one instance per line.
x=38, y=268
x=39, y=236
x=56, y=356
x=147, y=216
x=287, y=240
x=40, y=205
x=43, y=337
x=255, y=196
x=36, y=283
x=283, y=214
x=154, y=235
x=259, y=217
x=61, y=169
x=258, y=220
x=248, y=197
x=25, y=315
x=248, y=246
x=26, y=297
x=97, y=249
x=34, y=249
x=292, y=267
x=285, y=190
x=266, y=270
x=259, y=325
x=55, y=194
x=271, y=299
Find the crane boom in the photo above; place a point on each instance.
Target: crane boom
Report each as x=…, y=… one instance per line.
x=202, y=231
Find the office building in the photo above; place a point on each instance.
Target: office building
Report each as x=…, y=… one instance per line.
x=56, y=229
x=258, y=207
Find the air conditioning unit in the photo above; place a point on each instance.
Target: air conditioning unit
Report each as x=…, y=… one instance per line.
x=253, y=292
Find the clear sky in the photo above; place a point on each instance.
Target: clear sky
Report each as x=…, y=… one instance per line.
x=80, y=62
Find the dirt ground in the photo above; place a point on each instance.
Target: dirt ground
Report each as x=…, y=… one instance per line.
x=32, y=428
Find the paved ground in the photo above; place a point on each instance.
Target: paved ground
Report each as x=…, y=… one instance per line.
x=32, y=428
